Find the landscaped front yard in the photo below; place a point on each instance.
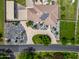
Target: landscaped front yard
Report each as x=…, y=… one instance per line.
x=47, y=55
x=67, y=32
x=67, y=9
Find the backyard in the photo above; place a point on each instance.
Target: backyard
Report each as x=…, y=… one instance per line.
x=67, y=9
x=67, y=32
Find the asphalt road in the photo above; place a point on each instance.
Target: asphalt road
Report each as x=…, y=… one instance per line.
x=18, y=48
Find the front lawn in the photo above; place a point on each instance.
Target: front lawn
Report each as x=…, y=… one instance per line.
x=1, y=21
x=2, y=16
x=41, y=39
x=67, y=32
x=48, y=55
x=67, y=9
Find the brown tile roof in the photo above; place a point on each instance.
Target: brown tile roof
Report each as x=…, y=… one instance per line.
x=51, y=9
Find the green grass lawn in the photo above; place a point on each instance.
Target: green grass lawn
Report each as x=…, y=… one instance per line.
x=2, y=16
x=67, y=9
x=22, y=2
x=49, y=1
x=48, y=55
x=1, y=21
x=67, y=32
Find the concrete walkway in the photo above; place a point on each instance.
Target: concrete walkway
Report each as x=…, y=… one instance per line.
x=68, y=20
x=76, y=23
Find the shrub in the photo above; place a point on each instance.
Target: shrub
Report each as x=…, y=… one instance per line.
x=29, y=23
x=41, y=39
x=64, y=40
x=63, y=8
x=62, y=16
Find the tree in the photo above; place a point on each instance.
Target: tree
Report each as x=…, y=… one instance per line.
x=29, y=23
x=1, y=35
x=72, y=40
x=62, y=8
x=48, y=56
x=62, y=16
x=49, y=1
x=58, y=55
x=27, y=53
x=16, y=23
x=9, y=51
x=64, y=40
x=41, y=39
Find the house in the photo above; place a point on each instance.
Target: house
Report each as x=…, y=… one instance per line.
x=46, y=13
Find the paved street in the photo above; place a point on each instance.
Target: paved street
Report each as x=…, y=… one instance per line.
x=18, y=48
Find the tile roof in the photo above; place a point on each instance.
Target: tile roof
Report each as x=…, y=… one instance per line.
x=52, y=10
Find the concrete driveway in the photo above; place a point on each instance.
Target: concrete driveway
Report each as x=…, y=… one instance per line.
x=31, y=32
